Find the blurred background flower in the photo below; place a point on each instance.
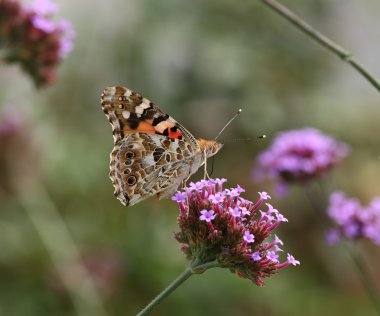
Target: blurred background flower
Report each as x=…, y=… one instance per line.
x=353, y=220
x=197, y=61
x=30, y=37
x=299, y=156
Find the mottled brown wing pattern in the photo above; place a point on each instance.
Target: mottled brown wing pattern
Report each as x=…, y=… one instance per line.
x=129, y=112
x=143, y=165
x=153, y=154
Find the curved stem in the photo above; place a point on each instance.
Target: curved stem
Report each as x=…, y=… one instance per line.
x=157, y=300
x=322, y=39
x=203, y=267
x=176, y=283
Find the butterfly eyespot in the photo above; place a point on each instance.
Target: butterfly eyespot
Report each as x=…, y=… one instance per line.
x=127, y=171
x=131, y=180
x=128, y=162
x=167, y=157
x=130, y=154
x=179, y=156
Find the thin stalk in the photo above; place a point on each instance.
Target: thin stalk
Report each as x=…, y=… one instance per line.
x=189, y=271
x=365, y=277
x=62, y=249
x=323, y=40
x=316, y=203
x=165, y=293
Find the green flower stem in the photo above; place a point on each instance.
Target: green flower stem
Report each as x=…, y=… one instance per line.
x=322, y=39
x=190, y=270
x=365, y=277
x=203, y=267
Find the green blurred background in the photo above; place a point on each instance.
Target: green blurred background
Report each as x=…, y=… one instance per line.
x=199, y=61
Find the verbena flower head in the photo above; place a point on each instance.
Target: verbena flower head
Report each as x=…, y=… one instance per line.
x=299, y=155
x=29, y=36
x=217, y=224
x=353, y=221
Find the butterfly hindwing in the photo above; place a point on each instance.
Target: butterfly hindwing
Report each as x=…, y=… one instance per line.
x=143, y=165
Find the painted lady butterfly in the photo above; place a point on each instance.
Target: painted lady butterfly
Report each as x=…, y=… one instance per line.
x=153, y=154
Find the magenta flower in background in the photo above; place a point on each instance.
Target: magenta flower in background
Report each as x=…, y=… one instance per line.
x=30, y=37
x=353, y=221
x=299, y=156
x=219, y=225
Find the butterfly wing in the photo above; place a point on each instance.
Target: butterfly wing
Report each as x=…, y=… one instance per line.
x=153, y=153
x=143, y=165
x=129, y=112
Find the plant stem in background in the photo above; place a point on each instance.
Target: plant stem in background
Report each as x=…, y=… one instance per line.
x=176, y=283
x=62, y=249
x=364, y=275
x=322, y=39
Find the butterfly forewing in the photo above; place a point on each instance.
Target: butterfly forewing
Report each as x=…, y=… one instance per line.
x=153, y=153
x=129, y=112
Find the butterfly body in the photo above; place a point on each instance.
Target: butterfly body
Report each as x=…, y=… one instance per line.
x=153, y=154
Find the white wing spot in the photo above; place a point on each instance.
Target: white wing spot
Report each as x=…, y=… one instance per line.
x=126, y=114
x=139, y=109
x=145, y=104
x=162, y=126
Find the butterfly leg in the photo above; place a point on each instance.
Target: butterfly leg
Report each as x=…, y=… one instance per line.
x=185, y=181
x=205, y=173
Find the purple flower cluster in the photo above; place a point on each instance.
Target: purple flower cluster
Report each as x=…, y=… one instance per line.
x=299, y=155
x=352, y=219
x=217, y=224
x=31, y=38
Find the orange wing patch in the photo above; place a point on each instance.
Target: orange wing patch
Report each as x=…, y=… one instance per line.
x=128, y=112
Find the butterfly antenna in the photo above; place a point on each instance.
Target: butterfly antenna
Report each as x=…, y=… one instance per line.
x=225, y=126
x=228, y=123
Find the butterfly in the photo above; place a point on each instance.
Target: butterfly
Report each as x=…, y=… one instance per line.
x=153, y=154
